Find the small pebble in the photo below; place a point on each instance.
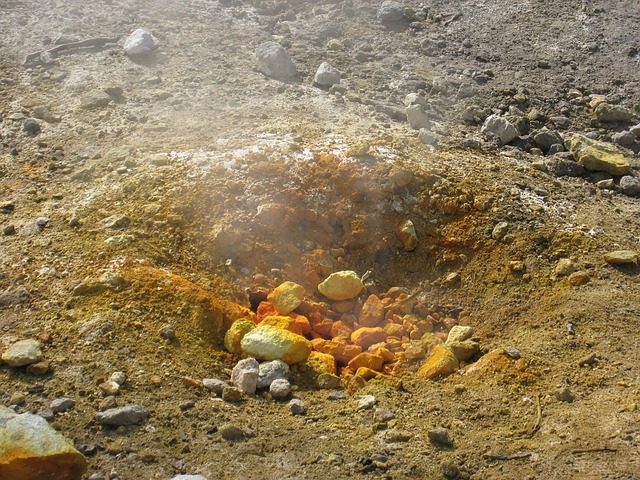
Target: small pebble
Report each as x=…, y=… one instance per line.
x=107, y=403
x=231, y=432
x=47, y=414
x=565, y=395
x=383, y=415
x=588, y=360
x=17, y=399
x=214, y=385
x=366, y=402
x=296, y=406
x=42, y=221
x=188, y=405
x=231, y=394
x=60, y=405
x=336, y=396
x=280, y=389
x=168, y=331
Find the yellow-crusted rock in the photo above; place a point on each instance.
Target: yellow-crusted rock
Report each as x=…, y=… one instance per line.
x=368, y=373
x=298, y=324
x=236, y=333
x=367, y=360
x=464, y=350
x=372, y=312
x=31, y=450
x=366, y=336
x=597, y=156
x=441, y=361
x=266, y=342
x=287, y=297
x=341, y=285
x=321, y=363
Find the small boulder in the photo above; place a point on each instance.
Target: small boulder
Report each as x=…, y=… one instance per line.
x=274, y=61
x=621, y=257
x=459, y=333
x=272, y=343
x=280, y=389
x=236, y=333
x=441, y=361
x=416, y=116
x=140, y=42
x=342, y=285
x=326, y=75
x=607, y=113
x=245, y=375
x=630, y=185
x=597, y=156
x=408, y=237
x=269, y=372
x=129, y=415
x=500, y=127
x=286, y=297
x=391, y=11
x=23, y=352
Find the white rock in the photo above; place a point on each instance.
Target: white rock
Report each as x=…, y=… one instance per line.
x=327, y=75
x=297, y=407
x=366, y=402
x=24, y=352
x=459, y=333
x=272, y=371
x=415, y=99
x=280, y=389
x=274, y=61
x=427, y=137
x=417, y=117
x=391, y=11
x=245, y=375
x=189, y=477
x=140, y=42
x=119, y=377
x=500, y=127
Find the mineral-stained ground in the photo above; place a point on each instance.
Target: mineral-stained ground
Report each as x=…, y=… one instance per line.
x=138, y=192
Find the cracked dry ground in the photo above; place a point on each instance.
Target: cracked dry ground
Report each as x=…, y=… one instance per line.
x=213, y=179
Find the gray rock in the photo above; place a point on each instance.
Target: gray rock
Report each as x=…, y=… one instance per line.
x=326, y=75
x=414, y=99
x=168, y=331
x=274, y=61
x=60, y=405
x=500, y=127
x=440, y=436
x=24, y=352
x=245, y=375
x=564, y=395
x=417, y=117
x=214, y=385
x=31, y=126
x=635, y=130
x=129, y=415
x=608, y=113
x=626, y=139
x=270, y=371
x=328, y=381
x=140, y=42
x=336, y=396
x=562, y=167
x=630, y=185
x=118, y=377
x=546, y=138
x=466, y=90
x=499, y=231
x=188, y=477
x=297, y=407
x=366, y=402
x=556, y=148
x=280, y=389
x=383, y=415
x=391, y=11
x=440, y=85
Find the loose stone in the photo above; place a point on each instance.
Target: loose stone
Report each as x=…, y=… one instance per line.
x=280, y=389
x=140, y=42
x=366, y=402
x=245, y=375
x=274, y=61
x=231, y=433
x=297, y=407
x=60, y=405
x=129, y=415
x=214, y=385
x=621, y=257
x=272, y=371
x=23, y=352
x=342, y=285
x=326, y=75
x=440, y=436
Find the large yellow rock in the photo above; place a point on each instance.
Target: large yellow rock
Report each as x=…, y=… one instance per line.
x=597, y=156
x=298, y=324
x=267, y=342
x=236, y=333
x=31, y=450
x=287, y=297
x=341, y=285
x=441, y=361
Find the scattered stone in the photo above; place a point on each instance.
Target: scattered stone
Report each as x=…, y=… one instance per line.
x=625, y=139
x=326, y=75
x=366, y=402
x=31, y=449
x=417, y=117
x=579, y=278
x=168, y=331
x=564, y=267
x=23, y=352
x=187, y=477
x=427, y=137
x=397, y=436
x=391, y=11
x=336, y=396
x=17, y=399
x=366, y=336
x=297, y=407
x=500, y=127
x=621, y=257
x=14, y=296
x=38, y=368
x=231, y=433
x=635, y=130
x=140, y=42
x=110, y=387
x=233, y=337
x=564, y=167
x=286, y=297
x=545, y=139
x=60, y=405
x=95, y=100
x=466, y=90
x=231, y=394
x=415, y=99
x=630, y=185
x=588, y=360
x=464, y=351
x=565, y=395
x=499, y=231
x=9, y=230
x=214, y=385
x=31, y=127
x=335, y=45
x=366, y=360
x=441, y=361
x=372, y=312
x=245, y=375
x=328, y=381
x=108, y=403
x=272, y=371
x=129, y=415
x=274, y=61
x=188, y=405
x=597, y=156
x=383, y=415
x=272, y=343
x=280, y=389
x=459, y=333
x=608, y=113
x=342, y=285
x=118, y=377
x=440, y=436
